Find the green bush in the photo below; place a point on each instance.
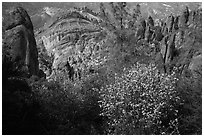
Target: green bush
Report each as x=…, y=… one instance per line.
x=141, y=101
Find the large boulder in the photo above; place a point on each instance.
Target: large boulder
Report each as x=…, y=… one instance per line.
x=19, y=45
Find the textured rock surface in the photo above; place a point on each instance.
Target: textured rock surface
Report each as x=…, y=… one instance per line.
x=18, y=16
x=19, y=44
x=75, y=37
x=72, y=38
x=196, y=63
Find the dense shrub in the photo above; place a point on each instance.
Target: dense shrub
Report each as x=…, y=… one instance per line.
x=189, y=87
x=67, y=107
x=141, y=101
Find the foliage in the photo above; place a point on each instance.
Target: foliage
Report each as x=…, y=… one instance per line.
x=141, y=101
x=11, y=67
x=67, y=107
x=189, y=87
x=111, y=96
x=18, y=111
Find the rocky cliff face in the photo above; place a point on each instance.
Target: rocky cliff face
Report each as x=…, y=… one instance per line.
x=75, y=38
x=19, y=45
x=72, y=38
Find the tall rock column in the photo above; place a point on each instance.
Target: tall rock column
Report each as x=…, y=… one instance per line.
x=19, y=45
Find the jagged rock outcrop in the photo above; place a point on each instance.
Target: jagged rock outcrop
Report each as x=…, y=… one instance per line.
x=158, y=36
x=140, y=32
x=175, y=25
x=19, y=45
x=170, y=22
x=173, y=36
x=73, y=38
x=150, y=21
x=170, y=50
x=148, y=34
x=184, y=18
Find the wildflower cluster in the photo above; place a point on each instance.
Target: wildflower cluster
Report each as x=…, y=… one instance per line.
x=141, y=101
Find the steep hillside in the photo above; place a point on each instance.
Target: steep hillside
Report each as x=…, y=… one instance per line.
x=78, y=38
x=102, y=68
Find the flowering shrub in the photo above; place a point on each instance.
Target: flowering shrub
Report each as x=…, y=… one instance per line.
x=141, y=101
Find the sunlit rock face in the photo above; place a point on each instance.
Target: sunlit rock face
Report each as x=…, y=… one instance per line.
x=72, y=37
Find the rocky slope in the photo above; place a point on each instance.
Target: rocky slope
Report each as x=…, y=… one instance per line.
x=76, y=37
x=74, y=40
